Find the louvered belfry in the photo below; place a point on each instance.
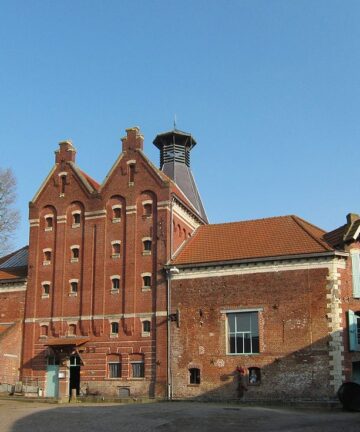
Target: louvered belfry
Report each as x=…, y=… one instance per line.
x=175, y=147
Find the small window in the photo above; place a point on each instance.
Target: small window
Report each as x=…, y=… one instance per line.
x=46, y=289
x=137, y=369
x=147, y=210
x=72, y=330
x=62, y=184
x=48, y=223
x=43, y=331
x=47, y=257
x=115, y=283
x=116, y=215
x=75, y=252
x=147, y=281
x=131, y=173
x=114, y=369
x=74, y=285
x=254, y=376
x=114, y=328
x=115, y=249
x=147, y=247
x=146, y=326
x=76, y=219
x=194, y=376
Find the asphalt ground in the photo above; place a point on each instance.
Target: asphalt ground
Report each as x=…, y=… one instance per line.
x=18, y=416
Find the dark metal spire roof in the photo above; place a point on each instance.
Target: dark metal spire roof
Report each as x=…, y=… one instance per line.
x=175, y=147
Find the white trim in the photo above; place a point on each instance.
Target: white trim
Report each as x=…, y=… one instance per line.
x=95, y=217
x=147, y=202
x=62, y=173
x=115, y=277
x=44, y=183
x=146, y=274
x=97, y=317
x=75, y=247
x=76, y=212
x=49, y=215
x=146, y=239
x=240, y=310
x=10, y=287
x=256, y=267
x=95, y=212
x=115, y=206
x=116, y=242
x=34, y=221
x=185, y=217
x=357, y=233
x=47, y=250
x=73, y=280
x=132, y=207
x=131, y=162
x=46, y=283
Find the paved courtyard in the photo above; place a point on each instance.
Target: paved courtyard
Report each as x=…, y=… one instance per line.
x=18, y=416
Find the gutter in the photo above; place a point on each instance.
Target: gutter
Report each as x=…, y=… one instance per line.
x=260, y=259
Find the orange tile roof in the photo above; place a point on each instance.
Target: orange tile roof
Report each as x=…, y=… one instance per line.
x=92, y=182
x=261, y=238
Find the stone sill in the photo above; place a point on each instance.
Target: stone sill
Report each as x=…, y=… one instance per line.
x=46, y=263
x=48, y=229
x=146, y=253
x=145, y=289
x=116, y=220
x=115, y=291
x=75, y=225
x=73, y=294
x=44, y=296
x=74, y=260
x=115, y=256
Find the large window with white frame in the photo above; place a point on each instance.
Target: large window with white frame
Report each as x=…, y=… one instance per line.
x=243, y=332
x=354, y=330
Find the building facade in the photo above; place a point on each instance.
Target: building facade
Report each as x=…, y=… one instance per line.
x=13, y=272
x=96, y=307
x=132, y=293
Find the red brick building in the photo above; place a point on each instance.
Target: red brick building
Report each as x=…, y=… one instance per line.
x=266, y=309
x=13, y=272
x=96, y=307
x=132, y=292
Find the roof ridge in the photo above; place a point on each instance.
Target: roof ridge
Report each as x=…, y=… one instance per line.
x=301, y=223
x=309, y=223
x=249, y=220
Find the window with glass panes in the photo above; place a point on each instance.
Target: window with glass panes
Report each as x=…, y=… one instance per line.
x=137, y=368
x=243, y=333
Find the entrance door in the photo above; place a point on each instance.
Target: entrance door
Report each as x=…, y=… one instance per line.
x=52, y=381
x=74, y=374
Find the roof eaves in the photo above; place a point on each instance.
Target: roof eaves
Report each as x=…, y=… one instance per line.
x=43, y=184
x=259, y=259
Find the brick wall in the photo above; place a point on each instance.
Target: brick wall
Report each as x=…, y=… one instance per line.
x=293, y=332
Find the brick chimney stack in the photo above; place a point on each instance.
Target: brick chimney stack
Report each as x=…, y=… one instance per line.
x=133, y=139
x=66, y=153
x=352, y=217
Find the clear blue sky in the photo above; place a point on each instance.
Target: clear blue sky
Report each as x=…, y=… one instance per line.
x=270, y=90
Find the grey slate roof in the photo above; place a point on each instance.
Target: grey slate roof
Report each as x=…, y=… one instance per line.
x=16, y=259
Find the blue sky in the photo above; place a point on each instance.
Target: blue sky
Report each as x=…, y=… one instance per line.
x=269, y=89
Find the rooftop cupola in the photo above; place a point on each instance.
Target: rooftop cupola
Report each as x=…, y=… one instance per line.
x=175, y=147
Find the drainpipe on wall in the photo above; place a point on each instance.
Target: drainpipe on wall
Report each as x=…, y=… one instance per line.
x=169, y=273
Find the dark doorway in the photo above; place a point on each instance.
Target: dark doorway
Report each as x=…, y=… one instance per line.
x=74, y=375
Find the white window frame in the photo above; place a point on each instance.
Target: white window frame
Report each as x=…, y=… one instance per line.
x=47, y=262
x=43, y=294
x=115, y=255
x=146, y=287
x=72, y=259
x=75, y=224
x=71, y=292
x=227, y=330
x=115, y=290
x=114, y=219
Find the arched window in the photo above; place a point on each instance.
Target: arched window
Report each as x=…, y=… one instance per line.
x=146, y=327
x=131, y=173
x=147, y=209
x=115, y=246
x=76, y=219
x=75, y=253
x=45, y=289
x=49, y=222
x=147, y=243
x=194, y=376
x=74, y=286
x=114, y=365
x=62, y=184
x=47, y=256
x=116, y=213
x=72, y=330
x=115, y=283
x=146, y=281
x=43, y=330
x=114, y=328
x=137, y=365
